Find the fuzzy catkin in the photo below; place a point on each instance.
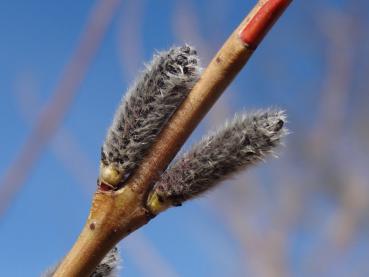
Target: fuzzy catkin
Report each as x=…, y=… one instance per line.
x=108, y=267
x=240, y=143
x=148, y=105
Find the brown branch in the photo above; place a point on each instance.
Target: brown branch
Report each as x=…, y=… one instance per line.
x=115, y=214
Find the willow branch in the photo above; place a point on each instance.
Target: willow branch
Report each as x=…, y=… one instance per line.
x=116, y=213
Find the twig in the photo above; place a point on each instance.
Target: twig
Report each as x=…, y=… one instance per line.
x=115, y=214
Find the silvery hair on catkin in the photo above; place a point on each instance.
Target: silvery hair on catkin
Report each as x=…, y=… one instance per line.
x=244, y=141
x=148, y=105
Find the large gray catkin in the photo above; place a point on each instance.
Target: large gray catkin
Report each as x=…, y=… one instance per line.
x=108, y=267
x=240, y=143
x=148, y=105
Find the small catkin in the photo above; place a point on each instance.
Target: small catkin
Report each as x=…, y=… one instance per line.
x=107, y=268
x=109, y=265
x=148, y=105
x=240, y=143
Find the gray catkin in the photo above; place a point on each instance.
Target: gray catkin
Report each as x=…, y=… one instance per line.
x=240, y=143
x=148, y=105
x=108, y=267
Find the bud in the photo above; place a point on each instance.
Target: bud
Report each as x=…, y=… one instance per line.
x=243, y=142
x=145, y=109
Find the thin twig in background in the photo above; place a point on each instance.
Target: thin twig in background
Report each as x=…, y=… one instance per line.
x=340, y=32
x=339, y=75
x=341, y=184
x=64, y=144
x=186, y=28
x=130, y=40
x=64, y=93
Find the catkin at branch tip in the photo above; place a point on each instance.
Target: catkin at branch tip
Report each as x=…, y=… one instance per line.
x=244, y=141
x=148, y=105
x=108, y=267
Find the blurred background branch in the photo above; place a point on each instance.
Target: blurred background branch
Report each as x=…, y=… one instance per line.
x=54, y=111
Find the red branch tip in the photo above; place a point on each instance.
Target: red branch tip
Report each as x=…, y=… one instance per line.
x=262, y=21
